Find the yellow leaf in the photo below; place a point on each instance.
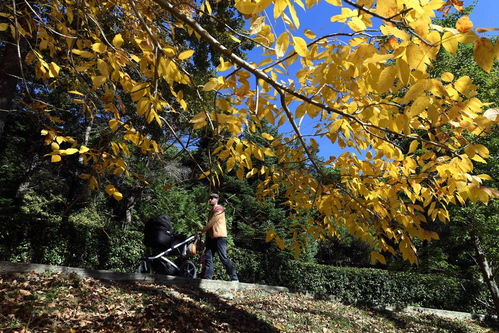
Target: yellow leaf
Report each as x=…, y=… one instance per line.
x=335, y=2
x=464, y=24
x=185, y=54
x=143, y=106
x=386, y=78
x=117, y=195
x=486, y=29
x=223, y=65
x=257, y=25
x=447, y=77
x=54, y=70
x=482, y=150
x=245, y=7
x=211, y=85
x=208, y=7
x=478, y=159
x=282, y=44
x=204, y=174
x=376, y=256
x=270, y=236
x=300, y=46
x=113, y=124
x=464, y=85
x=240, y=174
x=230, y=163
x=416, y=57
x=467, y=37
x=296, y=20
x=4, y=26
x=84, y=54
x=279, y=242
x=55, y=158
x=75, y=92
x=83, y=149
x=356, y=24
x=102, y=66
x=483, y=51
x=279, y=7
x=69, y=151
x=44, y=132
x=413, y=146
x=267, y=136
x=110, y=189
x=449, y=42
x=99, y=47
x=268, y=152
x=97, y=81
x=404, y=70
x=118, y=40
x=234, y=38
x=309, y=34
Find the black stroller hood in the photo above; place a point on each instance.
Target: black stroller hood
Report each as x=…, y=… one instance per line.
x=158, y=232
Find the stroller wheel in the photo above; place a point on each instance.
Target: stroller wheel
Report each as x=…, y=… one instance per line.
x=144, y=267
x=188, y=270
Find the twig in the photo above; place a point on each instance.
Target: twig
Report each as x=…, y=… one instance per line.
x=297, y=131
x=41, y=21
x=293, y=53
x=182, y=144
x=391, y=20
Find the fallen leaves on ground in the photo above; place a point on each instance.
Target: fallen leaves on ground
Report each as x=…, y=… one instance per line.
x=69, y=303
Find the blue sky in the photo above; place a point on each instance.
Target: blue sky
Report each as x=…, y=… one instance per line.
x=317, y=19
x=486, y=15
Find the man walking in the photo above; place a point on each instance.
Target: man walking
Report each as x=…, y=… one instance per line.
x=216, y=239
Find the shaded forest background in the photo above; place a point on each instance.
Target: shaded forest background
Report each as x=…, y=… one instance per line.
x=49, y=215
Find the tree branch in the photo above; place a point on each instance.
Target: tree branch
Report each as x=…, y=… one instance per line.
x=391, y=20
x=166, y=5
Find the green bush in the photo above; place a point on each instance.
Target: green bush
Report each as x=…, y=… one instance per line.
x=359, y=285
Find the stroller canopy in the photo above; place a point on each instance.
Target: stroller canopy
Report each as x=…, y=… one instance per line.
x=158, y=232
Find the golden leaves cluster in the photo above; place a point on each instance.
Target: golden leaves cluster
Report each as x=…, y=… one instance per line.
x=363, y=92
x=372, y=95
x=104, y=67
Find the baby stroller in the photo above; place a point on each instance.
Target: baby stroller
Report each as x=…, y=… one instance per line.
x=159, y=236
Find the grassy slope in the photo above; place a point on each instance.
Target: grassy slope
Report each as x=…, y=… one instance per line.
x=62, y=303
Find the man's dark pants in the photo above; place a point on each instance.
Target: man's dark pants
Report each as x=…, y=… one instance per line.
x=218, y=245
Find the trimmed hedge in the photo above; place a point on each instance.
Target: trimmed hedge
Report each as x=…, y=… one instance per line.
x=358, y=285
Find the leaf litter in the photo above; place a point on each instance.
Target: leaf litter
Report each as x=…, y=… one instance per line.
x=69, y=303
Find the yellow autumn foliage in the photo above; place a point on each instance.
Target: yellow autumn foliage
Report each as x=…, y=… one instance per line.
x=363, y=92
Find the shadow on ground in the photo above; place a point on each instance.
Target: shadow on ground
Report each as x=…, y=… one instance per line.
x=62, y=303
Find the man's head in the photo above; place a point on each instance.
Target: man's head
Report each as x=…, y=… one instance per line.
x=213, y=199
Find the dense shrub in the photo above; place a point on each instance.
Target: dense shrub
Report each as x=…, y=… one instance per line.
x=359, y=285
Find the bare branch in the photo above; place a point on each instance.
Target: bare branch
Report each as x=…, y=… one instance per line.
x=41, y=21
x=293, y=53
x=181, y=143
x=297, y=131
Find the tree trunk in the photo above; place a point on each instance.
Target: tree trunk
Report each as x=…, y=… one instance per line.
x=9, y=74
x=34, y=163
x=130, y=204
x=487, y=273
x=10, y=68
